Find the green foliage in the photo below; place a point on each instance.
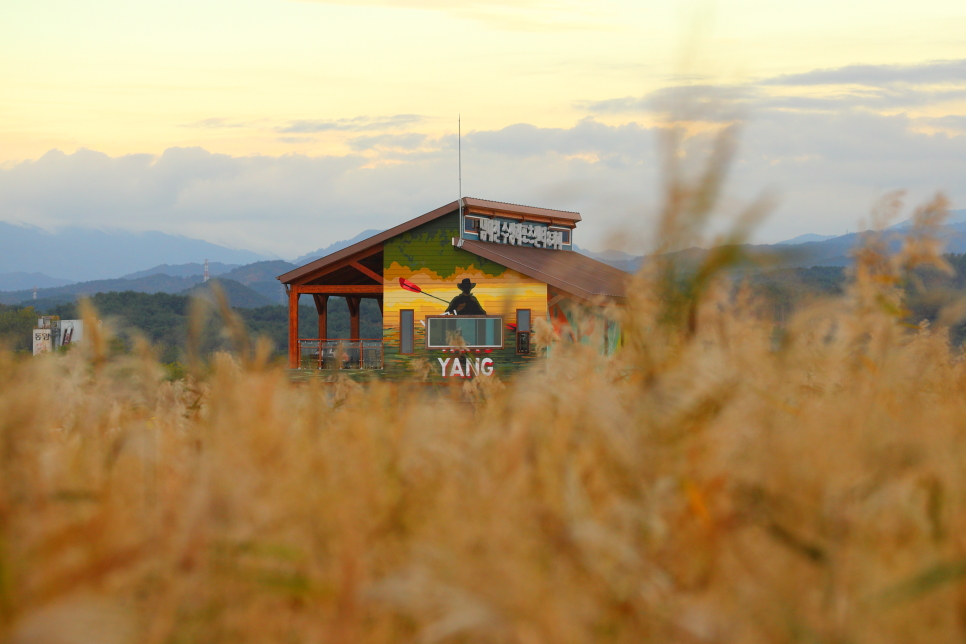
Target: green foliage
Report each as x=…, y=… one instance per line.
x=162, y=319
x=430, y=246
x=16, y=324
x=174, y=370
x=785, y=290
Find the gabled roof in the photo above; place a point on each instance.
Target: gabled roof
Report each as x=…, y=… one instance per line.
x=568, y=271
x=468, y=202
x=369, y=242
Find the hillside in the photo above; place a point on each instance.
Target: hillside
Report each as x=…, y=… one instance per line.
x=148, y=284
x=19, y=281
x=183, y=270
x=261, y=277
x=239, y=295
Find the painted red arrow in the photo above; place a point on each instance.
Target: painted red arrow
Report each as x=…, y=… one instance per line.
x=414, y=288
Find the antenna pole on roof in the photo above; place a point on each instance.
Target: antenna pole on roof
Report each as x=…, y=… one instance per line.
x=459, y=163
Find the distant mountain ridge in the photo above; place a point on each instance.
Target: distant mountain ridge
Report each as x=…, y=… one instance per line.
x=84, y=254
x=247, y=286
x=833, y=251
x=331, y=248
x=257, y=284
x=19, y=280
x=182, y=270
x=802, y=239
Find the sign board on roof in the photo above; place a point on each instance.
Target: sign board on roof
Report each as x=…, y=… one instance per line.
x=516, y=233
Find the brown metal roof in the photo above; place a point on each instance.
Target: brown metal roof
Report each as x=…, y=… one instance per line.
x=516, y=209
x=358, y=247
x=566, y=270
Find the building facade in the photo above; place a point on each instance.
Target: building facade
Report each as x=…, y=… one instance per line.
x=460, y=289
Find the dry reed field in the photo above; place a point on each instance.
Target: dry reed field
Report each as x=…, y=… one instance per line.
x=720, y=479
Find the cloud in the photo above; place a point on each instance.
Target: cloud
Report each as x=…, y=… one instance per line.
x=827, y=152
x=930, y=73
x=406, y=142
x=215, y=123
x=874, y=87
x=357, y=124
x=716, y=103
x=503, y=15
x=950, y=122
x=296, y=139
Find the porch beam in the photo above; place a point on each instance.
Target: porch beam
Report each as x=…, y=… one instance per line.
x=342, y=263
x=293, y=328
x=555, y=300
x=335, y=289
x=367, y=272
x=322, y=308
x=353, y=304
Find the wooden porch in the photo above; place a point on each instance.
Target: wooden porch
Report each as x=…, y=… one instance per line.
x=354, y=277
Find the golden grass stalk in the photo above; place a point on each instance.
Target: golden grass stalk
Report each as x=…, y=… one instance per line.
x=705, y=484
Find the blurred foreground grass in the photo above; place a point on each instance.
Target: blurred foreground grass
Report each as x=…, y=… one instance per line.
x=716, y=481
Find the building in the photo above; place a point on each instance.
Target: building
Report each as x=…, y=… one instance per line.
x=459, y=288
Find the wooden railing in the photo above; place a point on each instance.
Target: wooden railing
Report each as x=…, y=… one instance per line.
x=340, y=354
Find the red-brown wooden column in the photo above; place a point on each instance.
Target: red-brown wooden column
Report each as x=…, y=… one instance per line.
x=353, y=303
x=322, y=307
x=293, y=327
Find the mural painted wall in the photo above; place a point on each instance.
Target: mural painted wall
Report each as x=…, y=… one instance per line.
x=454, y=280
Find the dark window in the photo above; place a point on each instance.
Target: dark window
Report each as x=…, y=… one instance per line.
x=406, y=330
x=444, y=331
x=523, y=331
x=471, y=225
x=566, y=236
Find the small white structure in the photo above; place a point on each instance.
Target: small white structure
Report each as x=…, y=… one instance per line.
x=52, y=333
x=71, y=331
x=42, y=341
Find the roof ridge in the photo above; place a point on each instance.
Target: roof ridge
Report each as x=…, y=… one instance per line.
x=522, y=205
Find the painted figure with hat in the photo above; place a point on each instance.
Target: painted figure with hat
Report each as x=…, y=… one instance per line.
x=465, y=303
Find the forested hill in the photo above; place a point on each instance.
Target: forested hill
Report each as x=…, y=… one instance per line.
x=162, y=318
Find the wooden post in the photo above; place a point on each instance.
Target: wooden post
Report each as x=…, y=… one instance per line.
x=322, y=306
x=353, y=302
x=293, y=327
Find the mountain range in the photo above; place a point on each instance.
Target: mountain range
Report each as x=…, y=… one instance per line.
x=331, y=248
x=792, y=253
x=251, y=284
x=247, y=286
x=84, y=254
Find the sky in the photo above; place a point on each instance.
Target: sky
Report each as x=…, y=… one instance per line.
x=281, y=126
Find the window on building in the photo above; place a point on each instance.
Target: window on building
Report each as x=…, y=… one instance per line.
x=406, y=331
x=475, y=331
x=564, y=234
x=523, y=331
x=471, y=224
